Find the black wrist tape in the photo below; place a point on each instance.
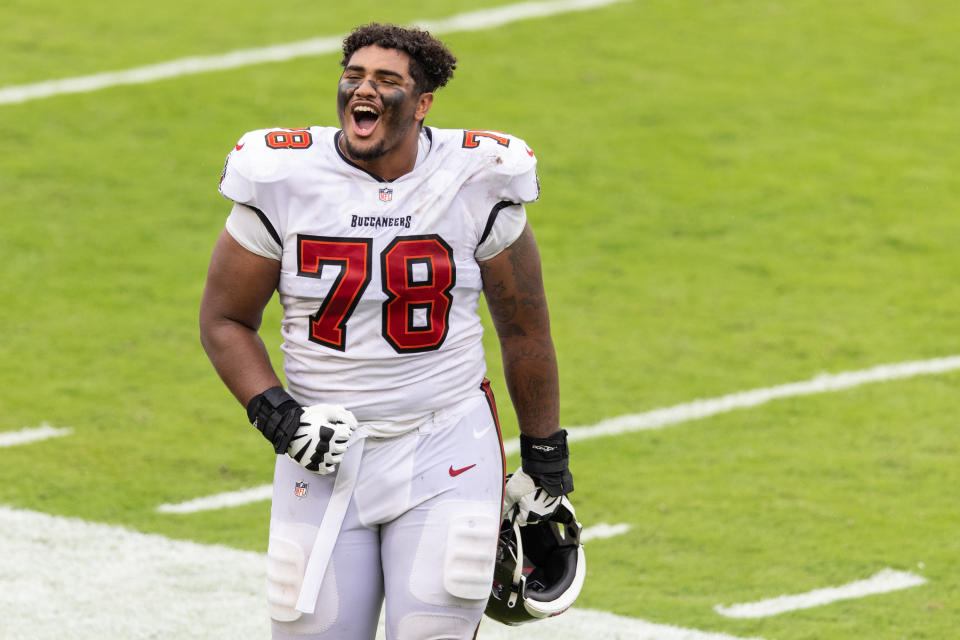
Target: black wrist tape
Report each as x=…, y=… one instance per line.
x=546, y=460
x=276, y=415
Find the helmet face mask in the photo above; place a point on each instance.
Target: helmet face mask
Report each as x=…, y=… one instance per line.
x=539, y=568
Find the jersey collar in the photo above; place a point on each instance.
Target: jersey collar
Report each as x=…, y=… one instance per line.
x=425, y=144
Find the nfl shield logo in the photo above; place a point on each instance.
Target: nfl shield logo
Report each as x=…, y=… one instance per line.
x=386, y=194
x=300, y=490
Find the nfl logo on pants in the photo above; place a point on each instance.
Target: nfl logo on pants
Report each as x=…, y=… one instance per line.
x=300, y=489
x=386, y=194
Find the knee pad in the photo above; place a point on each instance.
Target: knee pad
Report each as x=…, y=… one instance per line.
x=469, y=557
x=286, y=562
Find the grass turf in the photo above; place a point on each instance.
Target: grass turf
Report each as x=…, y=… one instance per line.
x=735, y=195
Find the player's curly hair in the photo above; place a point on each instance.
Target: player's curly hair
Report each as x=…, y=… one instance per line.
x=431, y=64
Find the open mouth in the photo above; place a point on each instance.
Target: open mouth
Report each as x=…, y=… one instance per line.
x=365, y=119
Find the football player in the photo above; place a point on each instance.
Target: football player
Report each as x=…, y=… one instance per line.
x=379, y=237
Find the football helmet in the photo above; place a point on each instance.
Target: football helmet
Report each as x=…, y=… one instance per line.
x=539, y=568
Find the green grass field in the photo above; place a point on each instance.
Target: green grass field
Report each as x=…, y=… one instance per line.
x=735, y=195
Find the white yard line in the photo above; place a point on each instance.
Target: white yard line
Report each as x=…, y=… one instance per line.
x=697, y=409
x=882, y=582
x=33, y=434
x=220, y=500
x=63, y=577
x=668, y=416
x=471, y=21
x=603, y=530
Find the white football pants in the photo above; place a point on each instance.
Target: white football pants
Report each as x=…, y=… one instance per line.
x=420, y=523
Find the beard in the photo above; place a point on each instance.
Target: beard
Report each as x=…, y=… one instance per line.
x=364, y=155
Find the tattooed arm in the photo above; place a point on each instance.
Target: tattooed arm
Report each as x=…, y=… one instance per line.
x=513, y=288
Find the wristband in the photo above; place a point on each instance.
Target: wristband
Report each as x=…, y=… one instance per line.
x=276, y=415
x=546, y=460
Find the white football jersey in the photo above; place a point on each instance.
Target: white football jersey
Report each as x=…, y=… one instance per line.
x=379, y=279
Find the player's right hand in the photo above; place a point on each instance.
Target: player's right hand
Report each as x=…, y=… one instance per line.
x=321, y=439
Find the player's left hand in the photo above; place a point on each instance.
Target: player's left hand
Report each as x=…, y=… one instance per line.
x=525, y=502
x=533, y=493
x=321, y=439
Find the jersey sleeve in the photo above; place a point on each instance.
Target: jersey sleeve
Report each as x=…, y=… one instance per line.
x=504, y=226
x=235, y=182
x=251, y=231
x=511, y=180
x=251, y=175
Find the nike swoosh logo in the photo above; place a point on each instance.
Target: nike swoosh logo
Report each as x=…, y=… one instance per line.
x=530, y=152
x=455, y=472
x=480, y=434
x=240, y=145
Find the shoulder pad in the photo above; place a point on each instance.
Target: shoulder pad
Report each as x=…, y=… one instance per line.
x=261, y=156
x=507, y=160
x=506, y=153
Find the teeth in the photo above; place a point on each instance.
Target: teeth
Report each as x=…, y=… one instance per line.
x=364, y=108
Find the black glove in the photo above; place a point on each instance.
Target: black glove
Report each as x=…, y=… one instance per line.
x=276, y=415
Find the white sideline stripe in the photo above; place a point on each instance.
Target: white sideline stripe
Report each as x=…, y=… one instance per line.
x=34, y=434
x=220, y=500
x=603, y=530
x=471, y=21
x=104, y=581
x=882, y=582
x=63, y=577
x=697, y=409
